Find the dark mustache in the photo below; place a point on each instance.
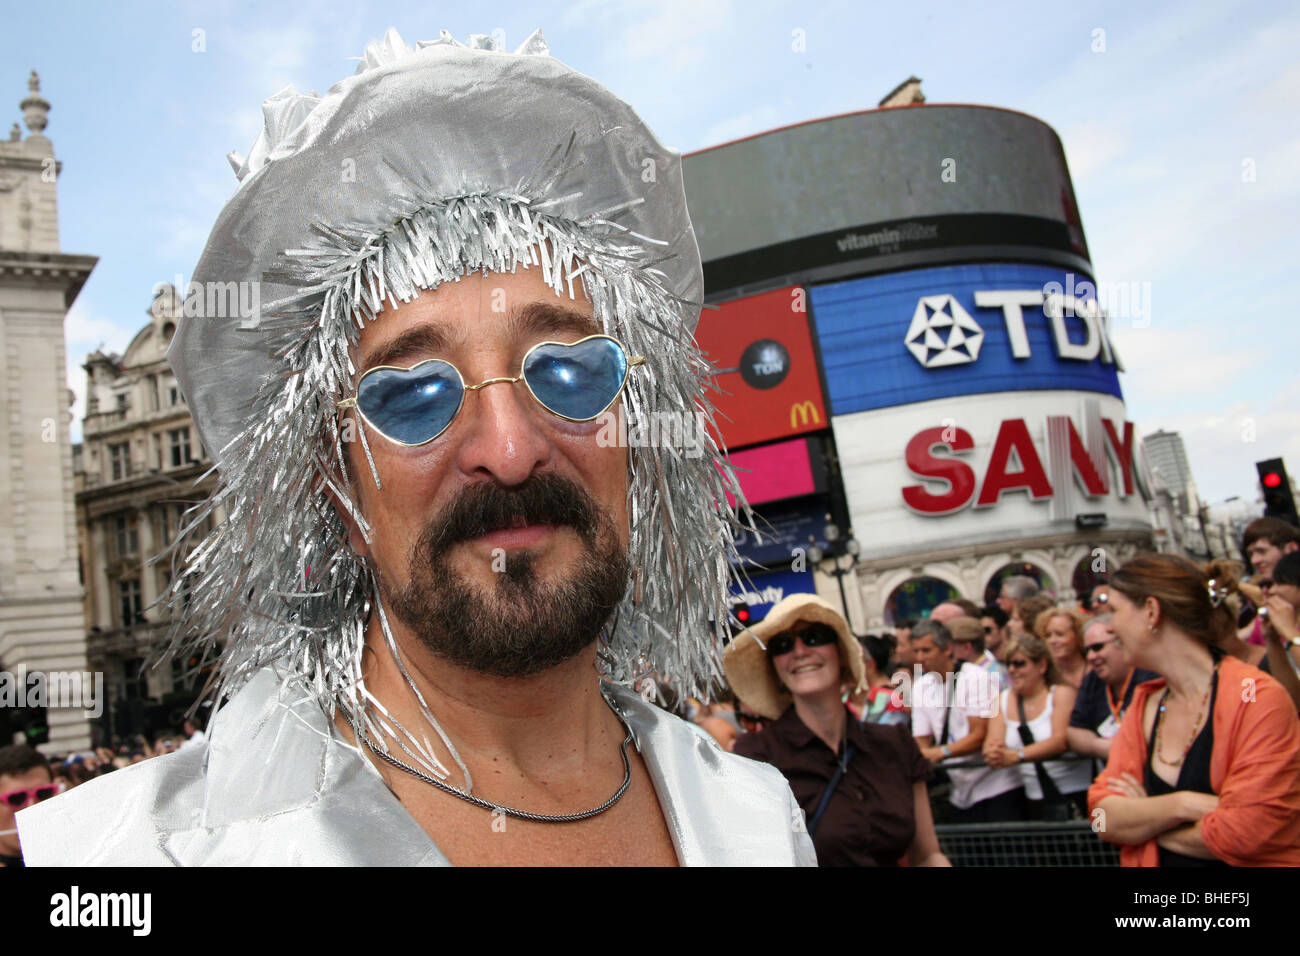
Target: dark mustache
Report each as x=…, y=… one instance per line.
x=486, y=507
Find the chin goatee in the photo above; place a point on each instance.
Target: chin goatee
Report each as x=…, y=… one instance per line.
x=519, y=625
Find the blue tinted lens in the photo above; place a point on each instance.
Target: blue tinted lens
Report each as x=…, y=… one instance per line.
x=577, y=381
x=411, y=405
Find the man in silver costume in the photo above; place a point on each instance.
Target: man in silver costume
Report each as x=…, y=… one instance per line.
x=437, y=569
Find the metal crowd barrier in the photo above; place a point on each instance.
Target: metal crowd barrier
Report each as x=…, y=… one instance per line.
x=977, y=760
x=1027, y=843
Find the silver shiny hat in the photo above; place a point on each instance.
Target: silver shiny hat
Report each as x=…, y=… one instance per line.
x=459, y=121
x=428, y=165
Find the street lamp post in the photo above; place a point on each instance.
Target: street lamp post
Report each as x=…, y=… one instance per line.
x=838, y=546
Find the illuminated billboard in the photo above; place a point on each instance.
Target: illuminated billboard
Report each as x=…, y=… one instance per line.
x=957, y=330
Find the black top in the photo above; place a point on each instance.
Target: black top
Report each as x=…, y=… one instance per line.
x=1193, y=775
x=870, y=820
x=1092, y=706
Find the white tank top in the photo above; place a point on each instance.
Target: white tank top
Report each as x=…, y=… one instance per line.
x=1070, y=776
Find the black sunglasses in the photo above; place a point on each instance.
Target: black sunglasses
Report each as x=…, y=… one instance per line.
x=1096, y=648
x=815, y=636
x=1017, y=664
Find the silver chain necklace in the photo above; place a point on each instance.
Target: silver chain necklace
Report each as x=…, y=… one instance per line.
x=510, y=811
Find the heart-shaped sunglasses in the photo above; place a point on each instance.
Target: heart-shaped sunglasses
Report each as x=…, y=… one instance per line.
x=17, y=799
x=576, y=381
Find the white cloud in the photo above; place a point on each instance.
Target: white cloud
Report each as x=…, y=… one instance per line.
x=1222, y=447
x=277, y=57
x=1162, y=361
x=245, y=126
x=735, y=127
x=1091, y=146
x=675, y=34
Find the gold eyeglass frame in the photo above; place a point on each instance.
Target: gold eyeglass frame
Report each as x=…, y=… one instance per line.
x=632, y=362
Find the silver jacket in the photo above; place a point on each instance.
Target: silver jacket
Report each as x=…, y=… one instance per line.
x=276, y=785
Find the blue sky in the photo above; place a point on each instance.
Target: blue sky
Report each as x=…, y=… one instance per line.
x=1161, y=129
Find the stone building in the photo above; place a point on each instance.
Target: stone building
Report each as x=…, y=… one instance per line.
x=41, y=626
x=139, y=463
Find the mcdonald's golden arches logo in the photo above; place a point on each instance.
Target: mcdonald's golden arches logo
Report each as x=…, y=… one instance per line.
x=804, y=411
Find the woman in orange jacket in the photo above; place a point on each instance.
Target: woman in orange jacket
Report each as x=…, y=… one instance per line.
x=1206, y=767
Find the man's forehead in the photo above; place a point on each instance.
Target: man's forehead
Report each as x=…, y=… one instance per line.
x=1101, y=628
x=9, y=781
x=429, y=324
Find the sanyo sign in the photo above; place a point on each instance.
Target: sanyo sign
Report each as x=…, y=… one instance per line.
x=1096, y=463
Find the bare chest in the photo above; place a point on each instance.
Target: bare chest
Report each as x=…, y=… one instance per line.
x=1178, y=727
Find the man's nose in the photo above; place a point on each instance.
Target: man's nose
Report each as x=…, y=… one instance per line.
x=503, y=438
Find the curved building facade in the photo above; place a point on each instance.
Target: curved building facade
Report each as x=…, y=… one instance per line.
x=915, y=354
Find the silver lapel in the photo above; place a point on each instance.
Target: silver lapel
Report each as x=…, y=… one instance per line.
x=281, y=787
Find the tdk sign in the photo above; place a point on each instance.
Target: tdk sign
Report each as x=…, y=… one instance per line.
x=960, y=330
x=942, y=333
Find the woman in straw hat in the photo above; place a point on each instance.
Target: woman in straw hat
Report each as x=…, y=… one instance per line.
x=862, y=787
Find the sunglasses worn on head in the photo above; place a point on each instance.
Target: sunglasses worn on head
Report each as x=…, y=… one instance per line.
x=576, y=381
x=17, y=799
x=815, y=636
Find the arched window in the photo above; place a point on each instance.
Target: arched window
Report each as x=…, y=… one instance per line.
x=1021, y=569
x=916, y=597
x=1088, y=573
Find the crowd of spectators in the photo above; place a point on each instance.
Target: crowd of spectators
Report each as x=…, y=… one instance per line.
x=1161, y=707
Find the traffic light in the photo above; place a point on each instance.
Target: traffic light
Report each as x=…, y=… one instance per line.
x=31, y=722
x=1278, y=500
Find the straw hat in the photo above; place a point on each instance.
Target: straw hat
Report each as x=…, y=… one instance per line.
x=750, y=673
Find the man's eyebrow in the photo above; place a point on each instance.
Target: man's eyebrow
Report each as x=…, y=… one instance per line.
x=422, y=339
x=535, y=318
x=548, y=318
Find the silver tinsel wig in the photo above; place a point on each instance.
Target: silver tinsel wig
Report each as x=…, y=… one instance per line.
x=429, y=164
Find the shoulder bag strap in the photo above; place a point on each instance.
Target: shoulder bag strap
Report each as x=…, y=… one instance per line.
x=948, y=705
x=1051, y=793
x=849, y=751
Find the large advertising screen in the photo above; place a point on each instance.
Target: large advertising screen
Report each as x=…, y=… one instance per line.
x=941, y=332
x=878, y=190
x=766, y=367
